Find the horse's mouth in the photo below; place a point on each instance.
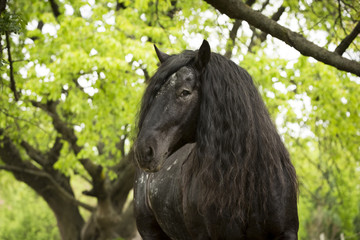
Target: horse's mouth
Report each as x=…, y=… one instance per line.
x=155, y=165
x=160, y=154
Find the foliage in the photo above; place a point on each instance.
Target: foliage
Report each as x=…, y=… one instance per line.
x=10, y=23
x=23, y=214
x=317, y=114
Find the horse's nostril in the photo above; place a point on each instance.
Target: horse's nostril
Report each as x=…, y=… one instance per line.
x=149, y=153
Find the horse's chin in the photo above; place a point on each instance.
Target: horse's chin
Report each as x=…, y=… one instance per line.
x=154, y=166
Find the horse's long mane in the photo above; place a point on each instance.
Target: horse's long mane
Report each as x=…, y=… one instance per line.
x=240, y=156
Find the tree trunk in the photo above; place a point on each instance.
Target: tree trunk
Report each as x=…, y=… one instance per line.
x=111, y=219
x=56, y=193
x=68, y=217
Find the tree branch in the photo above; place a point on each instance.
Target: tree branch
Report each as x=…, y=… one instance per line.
x=119, y=5
x=60, y=126
x=2, y=6
x=339, y=16
x=125, y=170
x=232, y=37
x=262, y=37
x=95, y=171
x=22, y=119
x=157, y=15
x=33, y=153
x=12, y=78
x=345, y=43
x=54, y=153
x=46, y=160
x=275, y=17
x=39, y=173
x=55, y=8
x=233, y=32
x=239, y=10
x=34, y=177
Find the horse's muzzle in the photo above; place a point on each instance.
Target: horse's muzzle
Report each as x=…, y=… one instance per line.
x=147, y=157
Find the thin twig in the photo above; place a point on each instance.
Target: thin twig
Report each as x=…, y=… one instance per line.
x=340, y=17
x=232, y=37
x=345, y=43
x=22, y=119
x=235, y=28
x=2, y=6
x=12, y=78
x=55, y=9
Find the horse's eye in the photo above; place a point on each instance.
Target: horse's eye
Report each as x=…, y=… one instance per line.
x=185, y=93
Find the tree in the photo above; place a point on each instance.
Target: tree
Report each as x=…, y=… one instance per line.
x=345, y=12
x=68, y=105
x=73, y=72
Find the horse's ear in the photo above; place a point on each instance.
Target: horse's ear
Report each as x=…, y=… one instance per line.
x=203, y=57
x=162, y=56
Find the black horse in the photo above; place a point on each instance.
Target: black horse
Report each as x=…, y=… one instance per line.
x=211, y=163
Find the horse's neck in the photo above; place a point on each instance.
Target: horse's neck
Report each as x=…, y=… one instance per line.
x=181, y=155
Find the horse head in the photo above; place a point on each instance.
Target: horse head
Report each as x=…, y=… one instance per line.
x=170, y=118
